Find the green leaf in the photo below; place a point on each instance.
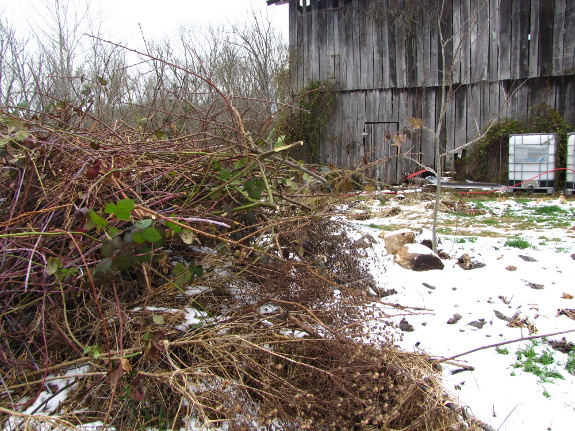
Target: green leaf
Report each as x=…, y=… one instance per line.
x=197, y=271
x=123, y=262
x=159, y=134
x=113, y=230
x=255, y=194
x=151, y=234
x=292, y=184
x=183, y=279
x=21, y=136
x=260, y=185
x=126, y=205
x=143, y=224
x=93, y=351
x=101, y=81
x=123, y=215
x=225, y=175
x=108, y=249
x=280, y=142
x=174, y=227
x=179, y=268
x=64, y=272
x=98, y=219
x=53, y=264
x=158, y=319
x=239, y=164
x=110, y=208
x=138, y=238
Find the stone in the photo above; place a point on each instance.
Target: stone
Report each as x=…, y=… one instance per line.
x=478, y=323
x=535, y=286
x=511, y=268
x=417, y=257
x=453, y=320
x=396, y=239
x=364, y=242
x=528, y=258
x=405, y=326
x=467, y=262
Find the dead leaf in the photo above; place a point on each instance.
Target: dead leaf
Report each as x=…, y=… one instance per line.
x=115, y=375
x=415, y=123
x=125, y=364
x=188, y=236
x=570, y=313
x=94, y=170
x=153, y=347
x=398, y=141
x=567, y=296
x=137, y=392
x=165, y=264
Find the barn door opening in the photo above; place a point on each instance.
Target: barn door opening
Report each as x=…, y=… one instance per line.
x=380, y=158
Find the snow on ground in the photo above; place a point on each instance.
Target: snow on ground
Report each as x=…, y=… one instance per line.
x=528, y=285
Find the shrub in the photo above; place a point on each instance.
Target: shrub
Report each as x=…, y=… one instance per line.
x=315, y=103
x=518, y=243
x=488, y=160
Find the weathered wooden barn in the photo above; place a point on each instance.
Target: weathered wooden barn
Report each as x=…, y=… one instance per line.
x=503, y=57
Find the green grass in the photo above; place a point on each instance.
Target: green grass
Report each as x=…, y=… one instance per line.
x=491, y=221
x=382, y=227
x=481, y=206
x=518, y=243
x=550, y=210
x=570, y=364
x=538, y=364
x=445, y=230
x=460, y=214
x=463, y=240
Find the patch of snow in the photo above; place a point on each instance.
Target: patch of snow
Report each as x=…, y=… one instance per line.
x=528, y=284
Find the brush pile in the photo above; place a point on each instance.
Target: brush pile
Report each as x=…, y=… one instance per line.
x=182, y=277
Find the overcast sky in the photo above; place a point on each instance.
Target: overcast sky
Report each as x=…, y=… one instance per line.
x=158, y=18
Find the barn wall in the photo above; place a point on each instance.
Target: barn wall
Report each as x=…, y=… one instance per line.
x=386, y=57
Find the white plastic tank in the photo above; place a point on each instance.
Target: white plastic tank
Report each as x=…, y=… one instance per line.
x=570, y=176
x=532, y=162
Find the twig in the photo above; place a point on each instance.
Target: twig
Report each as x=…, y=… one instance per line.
x=533, y=337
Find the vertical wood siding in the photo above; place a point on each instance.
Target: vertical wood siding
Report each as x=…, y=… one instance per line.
x=504, y=57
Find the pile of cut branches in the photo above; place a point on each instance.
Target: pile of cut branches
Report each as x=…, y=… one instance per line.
x=162, y=280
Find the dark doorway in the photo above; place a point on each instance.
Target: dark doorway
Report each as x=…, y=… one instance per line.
x=380, y=158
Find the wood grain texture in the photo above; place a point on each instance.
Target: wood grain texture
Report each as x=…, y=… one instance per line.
x=503, y=58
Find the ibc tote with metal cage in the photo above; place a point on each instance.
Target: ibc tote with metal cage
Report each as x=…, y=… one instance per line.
x=570, y=175
x=532, y=162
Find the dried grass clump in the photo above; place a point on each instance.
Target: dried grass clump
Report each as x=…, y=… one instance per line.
x=180, y=278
